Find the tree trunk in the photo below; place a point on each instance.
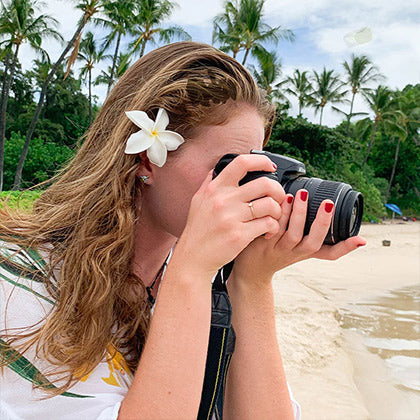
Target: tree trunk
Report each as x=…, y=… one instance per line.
x=246, y=55
x=143, y=47
x=397, y=149
x=300, y=108
x=90, y=97
x=31, y=129
x=320, y=118
x=114, y=63
x=3, y=121
x=370, y=144
x=7, y=82
x=349, y=116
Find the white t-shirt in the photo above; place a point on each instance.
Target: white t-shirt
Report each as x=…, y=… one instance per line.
x=97, y=396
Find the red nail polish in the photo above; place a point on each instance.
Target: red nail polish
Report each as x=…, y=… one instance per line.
x=274, y=166
x=303, y=195
x=329, y=207
x=289, y=198
x=360, y=245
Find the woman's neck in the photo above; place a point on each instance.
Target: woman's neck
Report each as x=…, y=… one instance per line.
x=152, y=246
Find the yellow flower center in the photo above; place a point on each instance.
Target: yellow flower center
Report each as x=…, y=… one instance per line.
x=154, y=133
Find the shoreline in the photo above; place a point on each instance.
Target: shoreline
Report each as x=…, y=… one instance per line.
x=331, y=372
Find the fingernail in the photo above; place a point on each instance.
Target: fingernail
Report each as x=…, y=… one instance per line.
x=274, y=166
x=303, y=195
x=361, y=245
x=328, y=207
x=289, y=198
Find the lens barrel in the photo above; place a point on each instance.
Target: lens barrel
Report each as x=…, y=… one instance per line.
x=348, y=213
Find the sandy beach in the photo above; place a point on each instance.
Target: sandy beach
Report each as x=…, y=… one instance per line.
x=331, y=371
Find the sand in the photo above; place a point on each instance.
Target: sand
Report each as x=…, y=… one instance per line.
x=330, y=371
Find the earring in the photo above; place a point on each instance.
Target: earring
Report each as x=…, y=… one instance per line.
x=144, y=178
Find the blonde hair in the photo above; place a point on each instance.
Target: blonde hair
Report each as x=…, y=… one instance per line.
x=88, y=213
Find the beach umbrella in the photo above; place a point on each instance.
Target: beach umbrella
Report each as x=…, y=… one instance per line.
x=394, y=208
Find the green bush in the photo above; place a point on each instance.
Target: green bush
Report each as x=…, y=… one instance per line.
x=19, y=199
x=43, y=160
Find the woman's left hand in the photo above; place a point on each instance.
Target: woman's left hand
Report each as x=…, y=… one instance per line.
x=266, y=255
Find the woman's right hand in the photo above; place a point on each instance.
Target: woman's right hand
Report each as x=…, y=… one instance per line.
x=220, y=223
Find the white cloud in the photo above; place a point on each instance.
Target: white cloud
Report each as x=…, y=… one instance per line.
x=294, y=13
x=193, y=12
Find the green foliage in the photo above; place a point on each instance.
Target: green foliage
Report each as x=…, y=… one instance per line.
x=299, y=85
x=241, y=27
x=148, y=18
x=19, y=199
x=320, y=147
x=65, y=115
x=43, y=160
x=68, y=106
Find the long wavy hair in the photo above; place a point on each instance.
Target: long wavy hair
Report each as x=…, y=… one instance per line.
x=88, y=213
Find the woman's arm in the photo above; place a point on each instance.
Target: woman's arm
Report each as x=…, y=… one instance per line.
x=256, y=385
x=169, y=378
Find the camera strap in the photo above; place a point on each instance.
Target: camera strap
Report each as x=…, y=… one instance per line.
x=220, y=349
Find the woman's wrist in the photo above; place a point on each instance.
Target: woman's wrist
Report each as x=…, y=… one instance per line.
x=188, y=269
x=244, y=285
x=185, y=258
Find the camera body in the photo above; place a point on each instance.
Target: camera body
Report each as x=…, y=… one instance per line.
x=291, y=173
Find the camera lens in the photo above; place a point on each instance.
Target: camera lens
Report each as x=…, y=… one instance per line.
x=348, y=213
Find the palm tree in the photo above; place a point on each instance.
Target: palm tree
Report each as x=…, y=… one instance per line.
x=299, y=86
x=89, y=8
x=270, y=70
x=19, y=24
x=407, y=106
x=119, y=20
x=380, y=103
x=147, y=20
x=230, y=37
x=89, y=53
x=358, y=73
x=122, y=64
x=245, y=29
x=326, y=89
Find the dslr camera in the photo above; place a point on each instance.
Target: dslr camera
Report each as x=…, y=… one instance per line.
x=291, y=173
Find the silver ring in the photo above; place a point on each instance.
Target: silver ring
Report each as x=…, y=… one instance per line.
x=250, y=205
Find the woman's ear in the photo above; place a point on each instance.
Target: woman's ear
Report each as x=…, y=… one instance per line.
x=145, y=170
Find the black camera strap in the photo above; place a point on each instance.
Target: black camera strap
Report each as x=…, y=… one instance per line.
x=220, y=349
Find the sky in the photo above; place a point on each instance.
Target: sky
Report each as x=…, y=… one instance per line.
x=320, y=27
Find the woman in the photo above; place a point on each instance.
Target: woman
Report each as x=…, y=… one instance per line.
x=138, y=202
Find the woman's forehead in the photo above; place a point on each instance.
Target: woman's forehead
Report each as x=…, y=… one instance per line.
x=238, y=132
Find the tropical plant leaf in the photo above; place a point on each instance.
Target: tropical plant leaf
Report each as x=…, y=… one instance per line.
x=25, y=369
x=28, y=289
x=20, y=263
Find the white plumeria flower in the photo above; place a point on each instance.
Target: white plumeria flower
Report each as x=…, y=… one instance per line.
x=152, y=136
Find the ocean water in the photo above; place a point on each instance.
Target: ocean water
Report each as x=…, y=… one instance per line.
x=390, y=326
